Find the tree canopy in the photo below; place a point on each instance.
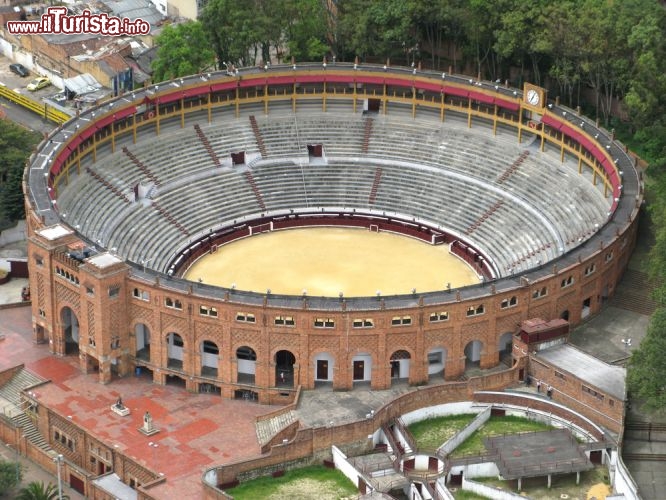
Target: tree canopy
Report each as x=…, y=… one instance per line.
x=16, y=144
x=10, y=475
x=182, y=50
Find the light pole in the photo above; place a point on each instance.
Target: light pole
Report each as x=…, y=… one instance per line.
x=58, y=460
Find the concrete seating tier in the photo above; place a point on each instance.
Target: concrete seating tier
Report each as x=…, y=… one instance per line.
x=519, y=205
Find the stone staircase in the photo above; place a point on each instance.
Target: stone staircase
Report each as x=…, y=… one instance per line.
x=29, y=430
x=266, y=429
x=634, y=293
x=11, y=393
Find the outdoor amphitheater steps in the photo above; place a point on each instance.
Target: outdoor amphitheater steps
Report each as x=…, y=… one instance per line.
x=513, y=167
x=367, y=132
x=107, y=184
x=170, y=218
x=255, y=189
x=490, y=211
x=22, y=379
x=375, y=186
x=266, y=429
x=11, y=392
x=258, y=137
x=634, y=293
x=141, y=166
x=29, y=430
x=207, y=146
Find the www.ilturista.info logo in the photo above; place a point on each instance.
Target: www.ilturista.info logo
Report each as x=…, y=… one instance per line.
x=56, y=21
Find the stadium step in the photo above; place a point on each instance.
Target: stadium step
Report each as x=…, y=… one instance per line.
x=29, y=430
x=22, y=379
x=255, y=189
x=514, y=166
x=206, y=143
x=107, y=184
x=367, y=132
x=375, y=186
x=267, y=429
x=164, y=213
x=634, y=293
x=141, y=166
x=493, y=208
x=258, y=137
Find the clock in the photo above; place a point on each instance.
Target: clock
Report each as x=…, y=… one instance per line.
x=533, y=98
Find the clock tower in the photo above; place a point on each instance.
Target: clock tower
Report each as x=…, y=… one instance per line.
x=534, y=97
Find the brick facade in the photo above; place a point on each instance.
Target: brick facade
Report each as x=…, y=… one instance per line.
x=125, y=321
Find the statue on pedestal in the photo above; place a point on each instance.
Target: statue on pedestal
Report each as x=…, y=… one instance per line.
x=147, y=422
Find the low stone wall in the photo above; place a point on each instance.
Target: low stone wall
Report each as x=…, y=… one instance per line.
x=317, y=442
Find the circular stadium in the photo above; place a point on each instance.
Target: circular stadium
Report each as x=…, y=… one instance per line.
x=533, y=203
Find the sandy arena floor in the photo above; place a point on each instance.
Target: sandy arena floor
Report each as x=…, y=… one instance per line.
x=327, y=261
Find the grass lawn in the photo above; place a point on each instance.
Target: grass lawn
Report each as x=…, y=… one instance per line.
x=434, y=432
x=314, y=482
x=496, y=426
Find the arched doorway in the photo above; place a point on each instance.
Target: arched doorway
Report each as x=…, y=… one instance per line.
x=436, y=362
x=175, y=351
x=400, y=365
x=473, y=354
x=362, y=368
x=323, y=369
x=284, y=369
x=70, y=330
x=142, y=335
x=210, y=355
x=246, y=362
x=505, y=348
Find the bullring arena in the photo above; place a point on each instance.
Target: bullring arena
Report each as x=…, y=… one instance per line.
x=533, y=203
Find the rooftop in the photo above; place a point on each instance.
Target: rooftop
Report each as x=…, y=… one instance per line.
x=609, y=378
x=54, y=232
x=104, y=260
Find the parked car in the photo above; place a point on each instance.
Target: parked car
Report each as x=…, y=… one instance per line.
x=39, y=83
x=19, y=69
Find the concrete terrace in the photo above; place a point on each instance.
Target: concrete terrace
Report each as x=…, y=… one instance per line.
x=196, y=430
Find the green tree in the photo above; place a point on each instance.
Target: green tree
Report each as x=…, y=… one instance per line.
x=39, y=491
x=182, y=50
x=10, y=475
x=234, y=29
x=306, y=28
x=647, y=365
x=16, y=144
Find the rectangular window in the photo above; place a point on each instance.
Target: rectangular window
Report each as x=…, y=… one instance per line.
x=590, y=269
x=475, y=311
x=140, y=294
x=324, y=323
x=284, y=320
x=245, y=317
x=401, y=320
x=114, y=291
x=39, y=260
x=173, y=304
x=567, y=282
x=90, y=290
x=592, y=392
x=439, y=316
x=506, y=303
x=208, y=311
x=363, y=323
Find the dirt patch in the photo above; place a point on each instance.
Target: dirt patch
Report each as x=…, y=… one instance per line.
x=307, y=489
